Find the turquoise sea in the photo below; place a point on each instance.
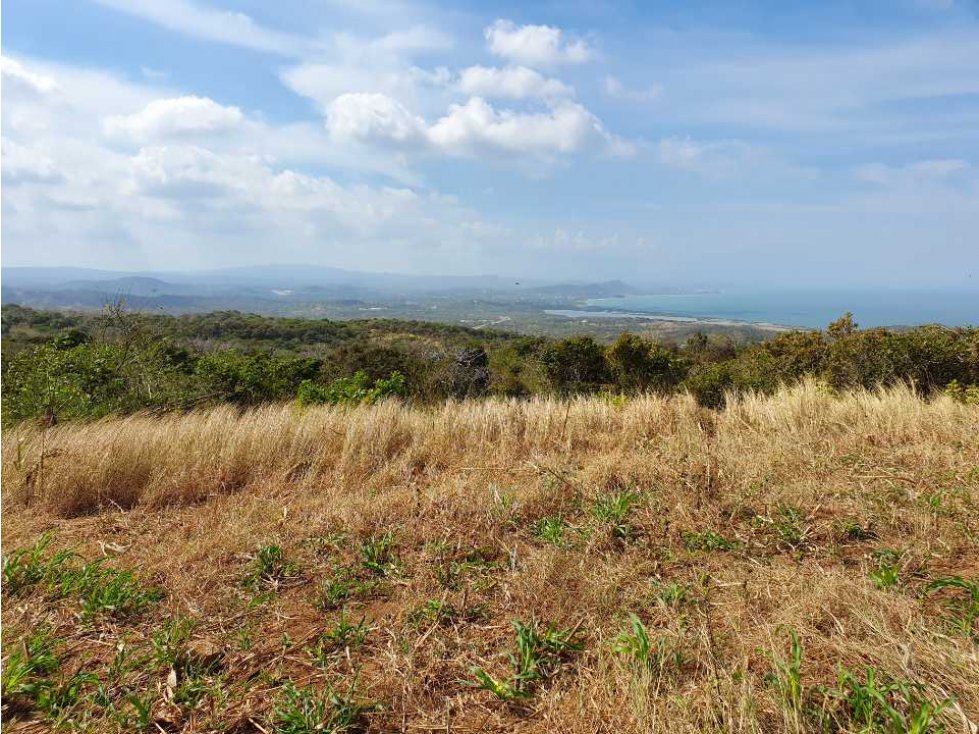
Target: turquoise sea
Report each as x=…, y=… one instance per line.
x=812, y=309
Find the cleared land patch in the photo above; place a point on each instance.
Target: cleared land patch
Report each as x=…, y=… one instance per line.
x=800, y=562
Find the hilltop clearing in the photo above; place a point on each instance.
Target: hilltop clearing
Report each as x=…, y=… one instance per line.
x=801, y=562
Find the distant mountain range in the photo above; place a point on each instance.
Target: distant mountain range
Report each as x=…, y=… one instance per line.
x=267, y=289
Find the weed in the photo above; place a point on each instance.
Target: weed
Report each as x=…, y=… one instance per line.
x=789, y=527
x=168, y=642
x=343, y=585
x=378, y=556
x=304, y=711
x=479, y=562
x=538, y=655
x=269, y=569
x=27, y=678
x=673, y=594
x=613, y=510
x=100, y=590
x=26, y=567
x=433, y=611
x=25, y=671
x=502, y=689
x=539, y=652
x=635, y=644
x=437, y=611
x=551, y=530
x=887, y=571
x=344, y=635
x=192, y=689
x=707, y=541
x=143, y=707
x=879, y=704
x=787, y=677
x=245, y=639
x=57, y=699
x=107, y=591
x=964, y=611
x=504, y=505
x=848, y=530
x=324, y=544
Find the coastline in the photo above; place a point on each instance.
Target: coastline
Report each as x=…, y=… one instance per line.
x=706, y=321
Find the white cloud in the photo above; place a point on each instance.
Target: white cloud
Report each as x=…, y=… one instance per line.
x=15, y=74
x=224, y=198
x=535, y=45
x=472, y=128
x=183, y=171
x=222, y=26
x=617, y=90
x=514, y=82
x=381, y=64
x=374, y=118
x=22, y=164
x=174, y=118
x=418, y=38
x=371, y=92
x=476, y=127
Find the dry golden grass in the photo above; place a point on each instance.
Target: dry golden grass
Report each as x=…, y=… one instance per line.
x=744, y=525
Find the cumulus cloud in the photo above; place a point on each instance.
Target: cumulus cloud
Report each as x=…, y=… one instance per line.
x=374, y=118
x=372, y=93
x=535, y=45
x=173, y=118
x=382, y=64
x=183, y=171
x=200, y=199
x=514, y=82
x=471, y=128
x=476, y=127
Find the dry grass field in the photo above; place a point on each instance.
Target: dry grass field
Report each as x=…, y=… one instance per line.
x=798, y=563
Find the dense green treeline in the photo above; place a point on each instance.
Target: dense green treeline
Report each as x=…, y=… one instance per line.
x=60, y=366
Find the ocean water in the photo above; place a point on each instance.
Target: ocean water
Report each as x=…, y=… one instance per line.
x=810, y=309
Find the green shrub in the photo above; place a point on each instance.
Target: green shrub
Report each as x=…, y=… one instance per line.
x=575, y=365
x=353, y=390
x=709, y=384
x=240, y=377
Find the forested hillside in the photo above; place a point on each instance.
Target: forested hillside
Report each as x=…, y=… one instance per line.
x=64, y=366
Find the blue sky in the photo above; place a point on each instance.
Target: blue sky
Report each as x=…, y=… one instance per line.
x=826, y=144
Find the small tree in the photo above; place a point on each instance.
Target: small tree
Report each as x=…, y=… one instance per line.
x=843, y=326
x=638, y=364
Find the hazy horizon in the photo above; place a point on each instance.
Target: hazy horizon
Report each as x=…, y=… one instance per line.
x=705, y=145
